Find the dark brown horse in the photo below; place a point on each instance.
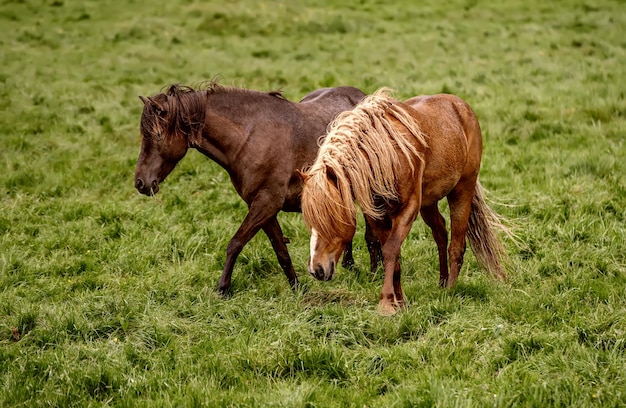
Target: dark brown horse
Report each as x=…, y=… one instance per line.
x=261, y=139
x=398, y=160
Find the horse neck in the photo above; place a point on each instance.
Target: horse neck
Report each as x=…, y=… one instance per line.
x=187, y=115
x=227, y=119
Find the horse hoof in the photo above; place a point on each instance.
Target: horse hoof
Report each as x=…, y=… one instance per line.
x=348, y=264
x=449, y=283
x=387, y=309
x=224, y=292
x=295, y=285
x=300, y=288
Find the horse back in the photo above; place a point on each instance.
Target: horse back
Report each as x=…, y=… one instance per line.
x=323, y=105
x=317, y=109
x=315, y=112
x=454, y=142
x=351, y=94
x=448, y=111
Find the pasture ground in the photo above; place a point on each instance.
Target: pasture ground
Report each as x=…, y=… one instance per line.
x=107, y=298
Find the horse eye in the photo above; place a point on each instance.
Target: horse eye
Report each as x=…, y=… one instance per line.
x=157, y=134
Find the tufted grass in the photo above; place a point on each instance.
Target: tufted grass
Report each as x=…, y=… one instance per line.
x=107, y=297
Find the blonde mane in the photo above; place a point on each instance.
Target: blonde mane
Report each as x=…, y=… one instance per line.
x=360, y=153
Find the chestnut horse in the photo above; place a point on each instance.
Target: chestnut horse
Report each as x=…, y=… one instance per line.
x=261, y=139
x=398, y=160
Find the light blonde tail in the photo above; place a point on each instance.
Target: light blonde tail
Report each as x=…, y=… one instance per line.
x=481, y=233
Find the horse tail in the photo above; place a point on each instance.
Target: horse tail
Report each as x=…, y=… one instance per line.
x=481, y=232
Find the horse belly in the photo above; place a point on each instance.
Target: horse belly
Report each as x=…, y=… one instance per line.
x=443, y=170
x=294, y=193
x=433, y=190
x=292, y=204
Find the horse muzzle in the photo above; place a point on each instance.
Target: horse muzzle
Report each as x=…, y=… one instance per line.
x=147, y=189
x=322, y=273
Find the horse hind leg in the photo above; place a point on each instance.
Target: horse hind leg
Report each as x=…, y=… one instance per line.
x=460, y=201
x=433, y=218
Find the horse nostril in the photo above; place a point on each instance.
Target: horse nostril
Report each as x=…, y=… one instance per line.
x=139, y=184
x=319, y=272
x=154, y=186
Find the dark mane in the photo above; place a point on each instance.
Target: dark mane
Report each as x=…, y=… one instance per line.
x=181, y=109
x=214, y=87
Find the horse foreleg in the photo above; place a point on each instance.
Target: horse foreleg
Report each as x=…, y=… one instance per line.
x=433, y=218
x=381, y=229
x=391, y=296
x=373, y=247
x=348, y=258
x=258, y=214
x=275, y=234
x=460, y=200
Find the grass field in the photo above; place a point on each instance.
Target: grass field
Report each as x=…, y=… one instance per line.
x=107, y=298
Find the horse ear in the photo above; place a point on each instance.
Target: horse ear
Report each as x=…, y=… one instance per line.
x=147, y=100
x=304, y=176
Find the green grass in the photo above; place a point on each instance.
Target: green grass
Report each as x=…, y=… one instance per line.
x=107, y=298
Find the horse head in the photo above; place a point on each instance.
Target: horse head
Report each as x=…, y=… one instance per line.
x=163, y=143
x=332, y=224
